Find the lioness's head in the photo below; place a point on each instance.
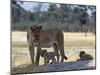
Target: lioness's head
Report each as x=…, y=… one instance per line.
x=35, y=32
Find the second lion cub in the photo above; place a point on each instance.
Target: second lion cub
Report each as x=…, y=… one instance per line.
x=48, y=56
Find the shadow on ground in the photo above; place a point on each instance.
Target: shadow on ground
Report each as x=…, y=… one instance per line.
x=66, y=66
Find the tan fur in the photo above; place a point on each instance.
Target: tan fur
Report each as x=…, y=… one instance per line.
x=47, y=38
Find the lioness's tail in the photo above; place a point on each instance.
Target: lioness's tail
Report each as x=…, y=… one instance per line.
x=65, y=57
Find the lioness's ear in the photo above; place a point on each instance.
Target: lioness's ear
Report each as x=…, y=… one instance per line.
x=32, y=28
x=40, y=27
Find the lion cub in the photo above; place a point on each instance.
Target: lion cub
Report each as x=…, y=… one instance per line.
x=84, y=56
x=48, y=56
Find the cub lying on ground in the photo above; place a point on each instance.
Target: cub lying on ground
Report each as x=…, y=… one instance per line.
x=84, y=56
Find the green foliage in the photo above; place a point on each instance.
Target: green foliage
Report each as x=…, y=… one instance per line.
x=71, y=18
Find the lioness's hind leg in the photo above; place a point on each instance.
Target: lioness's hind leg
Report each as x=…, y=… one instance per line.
x=62, y=54
x=56, y=51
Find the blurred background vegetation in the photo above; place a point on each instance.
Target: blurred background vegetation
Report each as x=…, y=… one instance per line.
x=68, y=17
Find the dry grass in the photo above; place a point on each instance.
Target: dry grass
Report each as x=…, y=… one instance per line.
x=72, y=41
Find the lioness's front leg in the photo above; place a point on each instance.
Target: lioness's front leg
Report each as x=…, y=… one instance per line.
x=31, y=50
x=38, y=55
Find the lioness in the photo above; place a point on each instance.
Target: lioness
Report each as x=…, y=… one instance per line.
x=40, y=38
x=48, y=56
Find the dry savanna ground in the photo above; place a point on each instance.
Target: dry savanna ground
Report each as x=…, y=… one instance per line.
x=73, y=43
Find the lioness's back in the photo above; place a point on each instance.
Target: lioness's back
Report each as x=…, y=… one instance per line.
x=50, y=36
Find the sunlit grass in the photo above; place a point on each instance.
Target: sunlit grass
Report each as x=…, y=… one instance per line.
x=67, y=44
